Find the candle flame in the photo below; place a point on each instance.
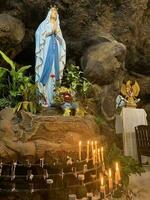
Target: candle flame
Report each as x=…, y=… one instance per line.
x=117, y=166
x=102, y=180
x=109, y=173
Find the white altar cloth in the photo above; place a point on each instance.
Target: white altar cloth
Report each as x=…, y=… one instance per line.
x=131, y=117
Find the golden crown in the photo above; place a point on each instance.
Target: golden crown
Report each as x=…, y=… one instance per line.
x=54, y=7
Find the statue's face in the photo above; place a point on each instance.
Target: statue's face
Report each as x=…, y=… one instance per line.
x=54, y=13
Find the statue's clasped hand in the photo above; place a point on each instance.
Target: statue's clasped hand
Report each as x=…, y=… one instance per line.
x=51, y=33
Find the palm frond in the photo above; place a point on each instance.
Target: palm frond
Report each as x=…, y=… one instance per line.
x=8, y=60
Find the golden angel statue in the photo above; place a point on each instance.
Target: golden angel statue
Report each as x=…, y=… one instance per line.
x=130, y=90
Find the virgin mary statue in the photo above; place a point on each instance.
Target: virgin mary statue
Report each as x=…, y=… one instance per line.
x=50, y=55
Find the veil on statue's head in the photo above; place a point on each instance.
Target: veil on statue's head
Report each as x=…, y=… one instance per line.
x=49, y=14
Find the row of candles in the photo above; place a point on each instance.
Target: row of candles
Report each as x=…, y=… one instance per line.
x=97, y=155
x=107, y=179
x=110, y=179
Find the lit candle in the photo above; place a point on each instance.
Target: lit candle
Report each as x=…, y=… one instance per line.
x=99, y=157
x=102, y=159
x=110, y=182
x=96, y=151
x=94, y=157
x=117, y=174
x=102, y=154
x=88, y=150
x=102, y=187
x=92, y=147
x=80, y=151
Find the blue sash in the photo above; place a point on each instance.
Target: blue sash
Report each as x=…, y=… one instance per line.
x=51, y=59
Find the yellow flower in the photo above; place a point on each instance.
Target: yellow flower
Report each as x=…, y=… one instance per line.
x=67, y=112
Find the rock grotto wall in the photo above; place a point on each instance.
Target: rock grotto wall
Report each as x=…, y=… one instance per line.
x=35, y=135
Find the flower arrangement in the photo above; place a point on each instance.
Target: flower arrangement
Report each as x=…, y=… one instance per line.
x=64, y=94
x=65, y=98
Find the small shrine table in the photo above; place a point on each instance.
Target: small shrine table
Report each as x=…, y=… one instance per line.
x=129, y=119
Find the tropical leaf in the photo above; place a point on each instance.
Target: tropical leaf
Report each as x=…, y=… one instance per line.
x=24, y=68
x=8, y=60
x=3, y=71
x=18, y=107
x=25, y=105
x=4, y=102
x=31, y=107
x=14, y=93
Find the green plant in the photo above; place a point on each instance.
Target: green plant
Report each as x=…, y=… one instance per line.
x=100, y=120
x=16, y=77
x=127, y=164
x=30, y=98
x=73, y=78
x=4, y=102
x=22, y=92
x=3, y=83
x=85, y=86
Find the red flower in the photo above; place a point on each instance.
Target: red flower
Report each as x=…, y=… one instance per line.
x=67, y=97
x=52, y=75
